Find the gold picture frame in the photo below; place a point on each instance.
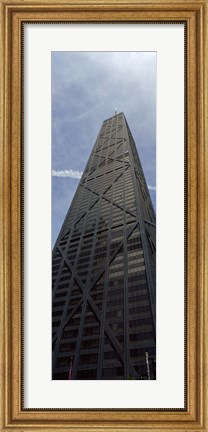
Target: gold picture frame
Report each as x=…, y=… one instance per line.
x=13, y=14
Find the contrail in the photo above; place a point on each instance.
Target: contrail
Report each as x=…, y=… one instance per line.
x=151, y=187
x=67, y=173
x=78, y=174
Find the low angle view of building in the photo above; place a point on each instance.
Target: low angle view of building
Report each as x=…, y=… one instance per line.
x=104, y=268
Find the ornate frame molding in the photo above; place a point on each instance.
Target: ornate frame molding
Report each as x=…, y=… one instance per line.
x=13, y=14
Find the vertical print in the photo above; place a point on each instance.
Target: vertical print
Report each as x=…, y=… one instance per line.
x=104, y=215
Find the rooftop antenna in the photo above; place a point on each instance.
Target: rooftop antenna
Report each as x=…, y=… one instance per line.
x=115, y=110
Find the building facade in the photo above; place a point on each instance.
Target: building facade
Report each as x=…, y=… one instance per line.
x=104, y=268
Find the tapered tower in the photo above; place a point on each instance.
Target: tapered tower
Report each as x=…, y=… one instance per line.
x=104, y=268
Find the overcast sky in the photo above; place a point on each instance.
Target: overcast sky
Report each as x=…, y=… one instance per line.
x=86, y=86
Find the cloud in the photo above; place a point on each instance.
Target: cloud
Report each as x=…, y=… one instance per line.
x=86, y=86
x=151, y=187
x=67, y=173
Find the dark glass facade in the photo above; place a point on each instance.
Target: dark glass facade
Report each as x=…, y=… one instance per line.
x=104, y=268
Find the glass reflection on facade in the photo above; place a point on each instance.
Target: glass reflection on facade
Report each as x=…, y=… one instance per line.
x=104, y=268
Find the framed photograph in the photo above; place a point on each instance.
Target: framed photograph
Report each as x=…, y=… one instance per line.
x=104, y=200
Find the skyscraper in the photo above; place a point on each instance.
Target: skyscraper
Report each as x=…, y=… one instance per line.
x=104, y=268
